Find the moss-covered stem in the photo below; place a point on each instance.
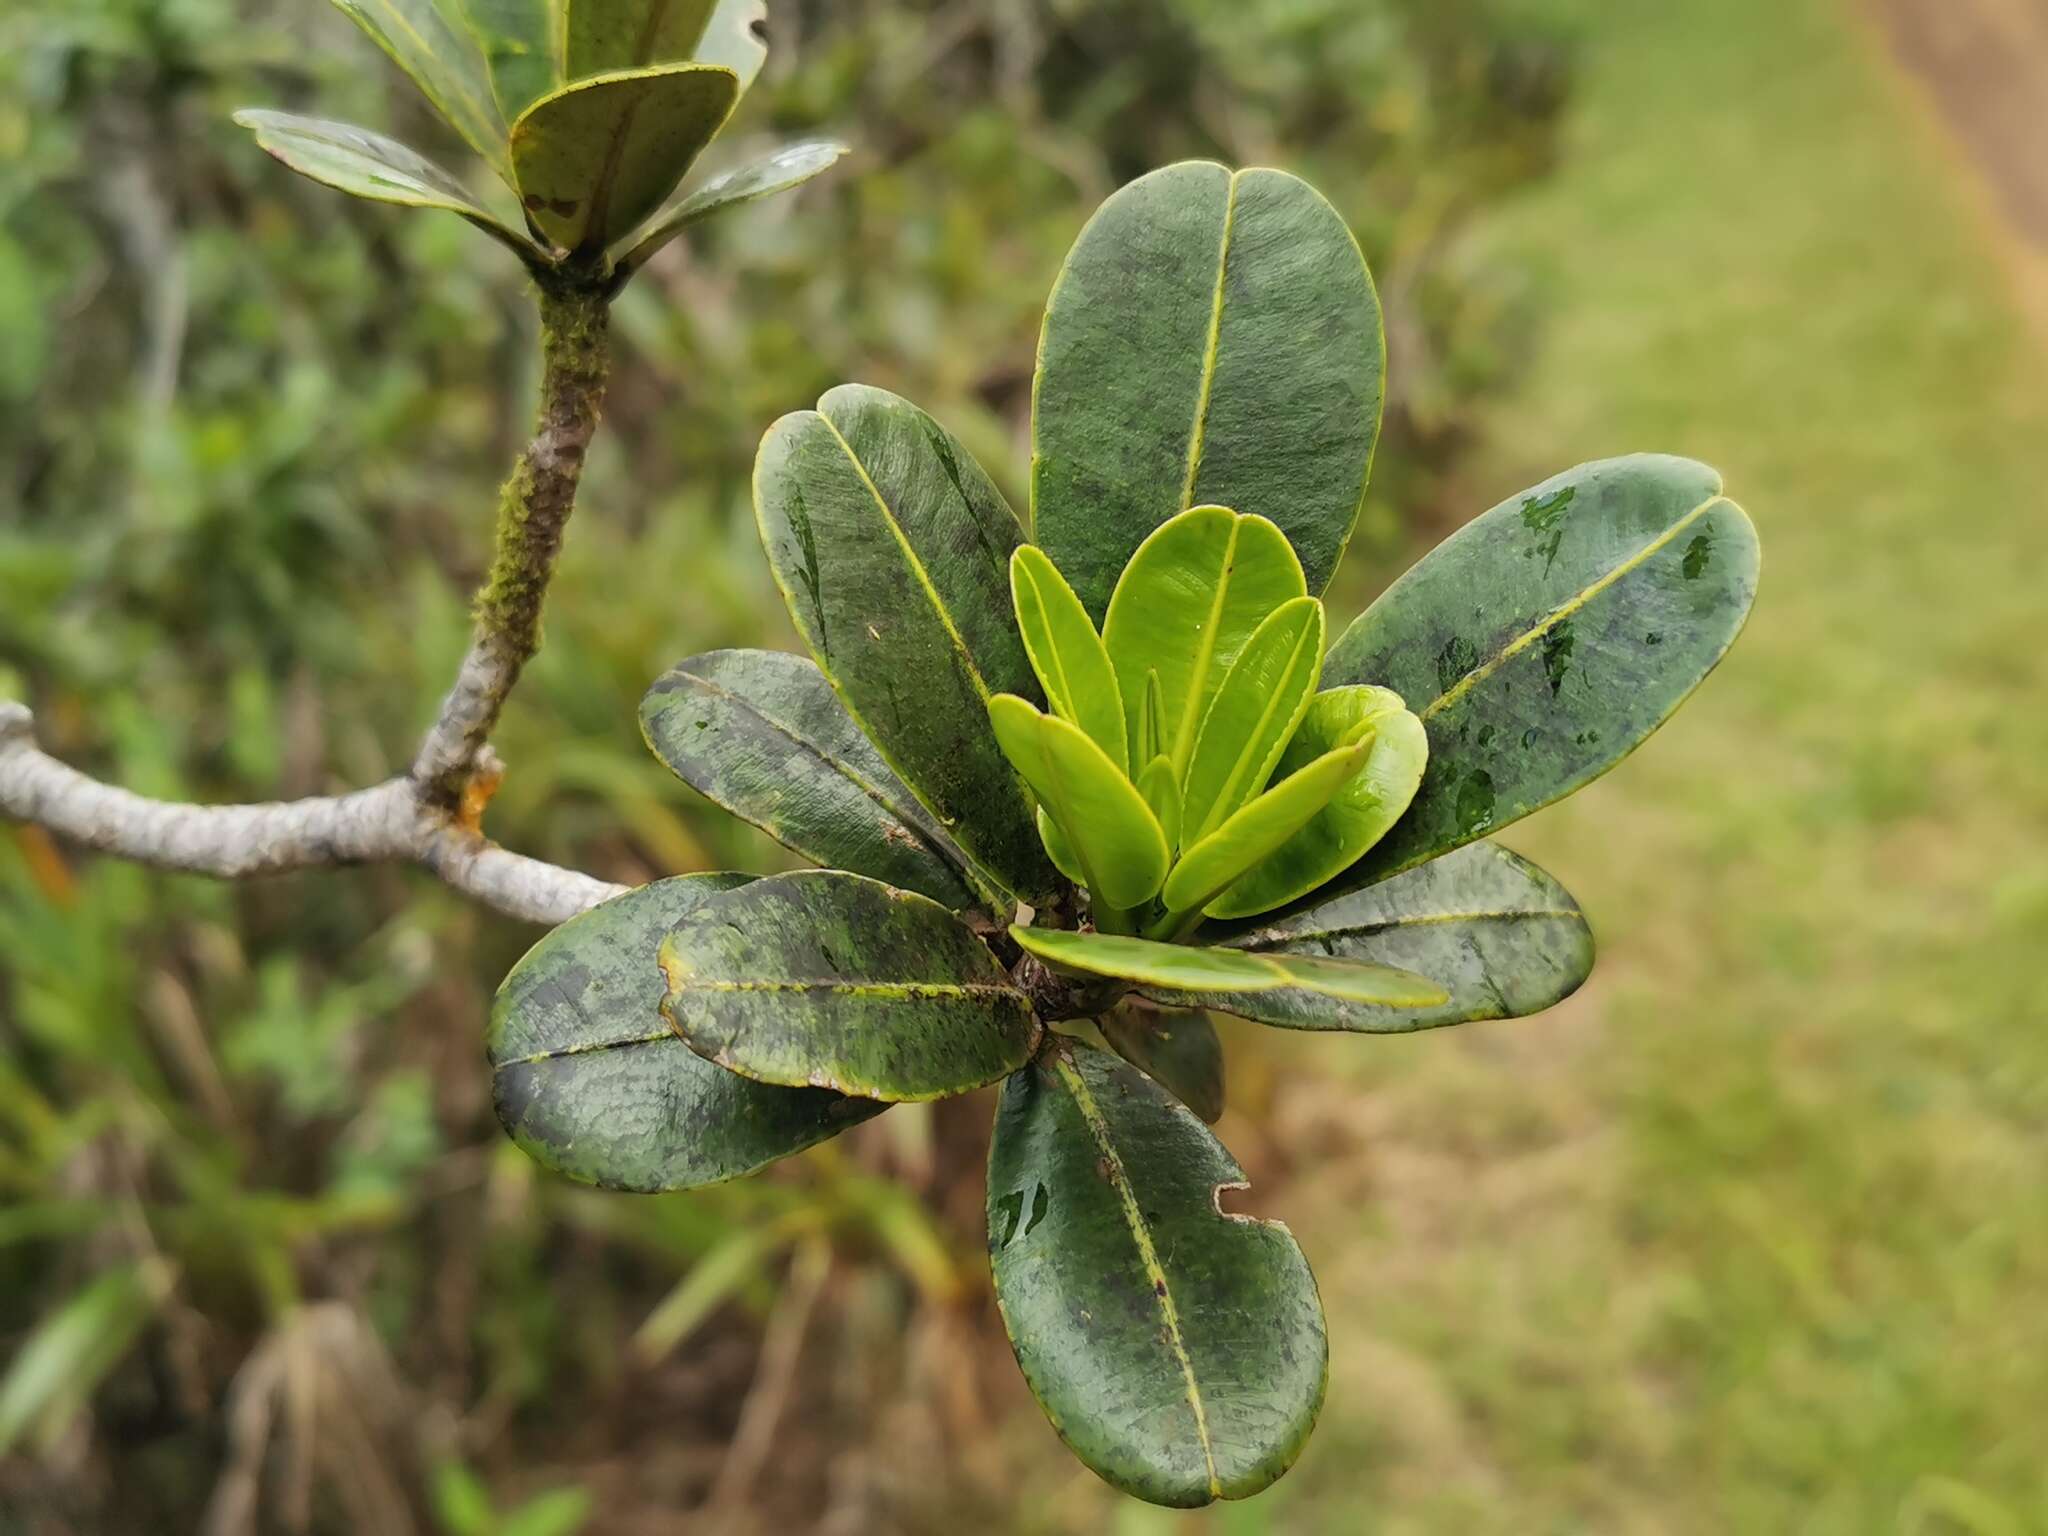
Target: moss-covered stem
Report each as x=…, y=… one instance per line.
x=533, y=513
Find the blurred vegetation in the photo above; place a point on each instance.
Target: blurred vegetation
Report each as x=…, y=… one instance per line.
x=265, y=1261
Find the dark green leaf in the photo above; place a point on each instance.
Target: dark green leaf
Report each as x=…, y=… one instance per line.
x=445, y=62
x=1546, y=639
x=593, y=1083
x=606, y=35
x=892, y=549
x=762, y=734
x=1503, y=938
x=595, y=158
x=366, y=164
x=1253, y=716
x=790, y=166
x=836, y=981
x=522, y=47
x=1213, y=338
x=1178, y=1350
x=1178, y=1050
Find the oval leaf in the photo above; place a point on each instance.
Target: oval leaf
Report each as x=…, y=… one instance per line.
x=366, y=164
x=1253, y=716
x=892, y=549
x=1190, y=599
x=598, y=156
x=1503, y=938
x=835, y=981
x=1179, y=1351
x=592, y=1083
x=1179, y=1051
x=521, y=42
x=607, y=35
x=790, y=166
x=1360, y=813
x=1212, y=338
x=1549, y=637
x=1147, y=962
x=444, y=62
x=762, y=734
x=1102, y=818
x=1067, y=654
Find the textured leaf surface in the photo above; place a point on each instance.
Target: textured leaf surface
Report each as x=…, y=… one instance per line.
x=762, y=734
x=1212, y=338
x=1188, y=602
x=1178, y=1350
x=1178, y=1050
x=1503, y=938
x=835, y=981
x=444, y=61
x=596, y=157
x=365, y=164
x=1254, y=715
x=1072, y=664
x=521, y=42
x=1105, y=825
x=606, y=35
x=1360, y=813
x=1543, y=642
x=790, y=166
x=590, y=1080
x=892, y=549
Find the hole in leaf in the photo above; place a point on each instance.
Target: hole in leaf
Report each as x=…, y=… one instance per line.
x=1236, y=1195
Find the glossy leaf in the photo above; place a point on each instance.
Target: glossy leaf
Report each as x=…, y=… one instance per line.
x=1067, y=654
x=1213, y=338
x=1253, y=716
x=761, y=734
x=1177, y=1349
x=607, y=35
x=1161, y=789
x=1359, y=814
x=1211, y=866
x=522, y=47
x=1178, y=1050
x=1151, y=727
x=595, y=158
x=365, y=164
x=444, y=61
x=591, y=1081
x=790, y=166
x=1190, y=599
x=892, y=549
x=1544, y=641
x=1059, y=850
x=835, y=981
x=1103, y=819
x=1499, y=935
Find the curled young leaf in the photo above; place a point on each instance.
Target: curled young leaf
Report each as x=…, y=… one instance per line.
x=1254, y=715
x=1067, y=654
x=1175, y=973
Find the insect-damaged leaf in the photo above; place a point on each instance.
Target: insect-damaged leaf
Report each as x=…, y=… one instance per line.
x=762, y=734
x=592, y=1082
x=604, y=35
x=837, y=981
x=892, y=549
x=444, y=61
x=790, y=166
x=1212, y=338
x=1179, y=1351
x=1503, y=938
x=595, y=158
x=1542, y=642
x=1178, y=1050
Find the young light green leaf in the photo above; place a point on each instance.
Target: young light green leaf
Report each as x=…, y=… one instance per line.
x=1161, y=789
x=1067, y=653
x=1212, y=338
x=1059, y=850
x=444, y=62
x=1149, y=963
x=1190, y=599
x=1152, y=722
x=57, y=1368
x=1502, y=938
x=835, y=981
x=1177, y=1349
x=762, y=734
x=596, y=157
x=1105, y=822
x=1544, y=641
x=1178, y=1050
x=1261, y=828
x=522, y=47
x=790, y=166
x=1362, y=810
x=606, y=35
x=1254, y=715
x=591, y=1082
x=892, y=550
x=365, y=164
